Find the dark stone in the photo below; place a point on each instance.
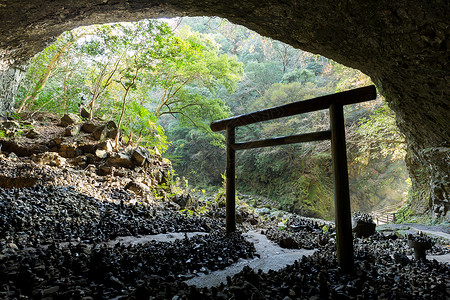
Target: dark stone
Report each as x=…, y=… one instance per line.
x=363, y=225
x=72, y=130
x=138, y=187
x=111, y=125
x=69, y=119
x=32, y=134
x=185, y=201
x=119, y=160
x=401, y=258
x=69, y=150
x=99, y=133
x=288, y=242
x=88, y=127
x=420, y=243
x=140, y=155
x=87, y=148
x=84, y=113
x=364, y=229
x=105, y=170
x=111, y=134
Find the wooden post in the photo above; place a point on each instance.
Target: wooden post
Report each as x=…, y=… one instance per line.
x=231, y=181
x=344, y=237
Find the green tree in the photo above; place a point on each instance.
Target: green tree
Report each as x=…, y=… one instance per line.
x=45, y=64
x=380, y=136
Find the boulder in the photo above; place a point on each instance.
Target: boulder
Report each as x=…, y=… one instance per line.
x=99, y=133
x=72, y=130
x=364, y=229
x=138, y=187
x=68, y=150
x=111, y=125
x=69, y=119
x=119, y=160
x=89, y=148
x=363, y=225
x=84, y=113
x=140, y=155
x=111, y=134
x=32, y=134
x=105, y=170
x=48, y=158
x=288, y=243
x=88, y=127
x=185, y=201
x=420, y=243
x=105, y=145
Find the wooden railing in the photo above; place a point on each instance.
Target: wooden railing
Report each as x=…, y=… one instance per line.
x=335, y=103
x=388, y=217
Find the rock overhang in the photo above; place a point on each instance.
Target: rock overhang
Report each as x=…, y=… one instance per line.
x=402, y=45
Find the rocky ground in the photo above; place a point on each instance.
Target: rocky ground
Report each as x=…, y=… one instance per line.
x=65, y=194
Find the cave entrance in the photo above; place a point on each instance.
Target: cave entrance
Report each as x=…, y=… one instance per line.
x=335, y=104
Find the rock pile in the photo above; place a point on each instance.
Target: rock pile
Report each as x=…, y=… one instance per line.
x=420, y=243
x=363, y=225
x=38, y=215
x=68, y=194
x=104, y=272
x=302, y=233
x=80, y=144
x=319, y=277
x=85, y=158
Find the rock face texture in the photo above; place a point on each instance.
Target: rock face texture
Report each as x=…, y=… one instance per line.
x=403, y=45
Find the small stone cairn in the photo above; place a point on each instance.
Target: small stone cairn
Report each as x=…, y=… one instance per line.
x=363, y=225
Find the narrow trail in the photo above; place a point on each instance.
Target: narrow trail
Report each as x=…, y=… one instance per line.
x=437, y=231
x=271, y=257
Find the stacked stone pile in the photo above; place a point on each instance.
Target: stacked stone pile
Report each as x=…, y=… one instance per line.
x=85, y=271
x=85, y=157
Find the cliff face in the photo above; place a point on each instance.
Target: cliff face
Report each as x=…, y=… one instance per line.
x=403, y=45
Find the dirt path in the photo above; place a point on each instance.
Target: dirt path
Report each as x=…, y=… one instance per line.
x=272, y=257
x=437, y=231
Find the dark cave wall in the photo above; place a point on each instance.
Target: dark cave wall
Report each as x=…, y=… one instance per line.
x=9, y=82
x=402, y=45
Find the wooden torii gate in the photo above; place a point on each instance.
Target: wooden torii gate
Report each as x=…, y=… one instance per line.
x=335, y=104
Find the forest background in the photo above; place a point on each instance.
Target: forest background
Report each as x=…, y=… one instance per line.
x=164, y=81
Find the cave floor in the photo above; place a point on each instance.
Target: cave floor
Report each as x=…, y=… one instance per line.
x=270, y=256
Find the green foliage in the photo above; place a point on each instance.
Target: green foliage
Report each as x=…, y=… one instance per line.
x=299, y=75
x=380, y=137
x=141, y=126
x=165, y=86
x=138, y=69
